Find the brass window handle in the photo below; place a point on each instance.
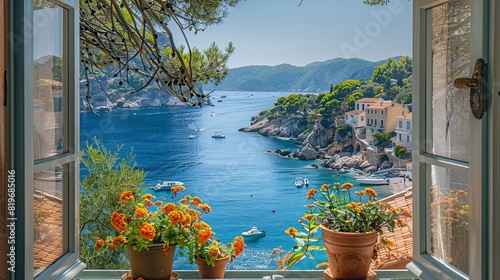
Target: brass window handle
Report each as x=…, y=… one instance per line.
x=477, y=86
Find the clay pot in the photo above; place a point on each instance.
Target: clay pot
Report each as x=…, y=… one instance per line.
x=349, y=254
x=152, y=264
x=212, y=272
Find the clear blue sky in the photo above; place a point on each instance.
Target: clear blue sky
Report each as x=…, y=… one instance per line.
x=272, y=32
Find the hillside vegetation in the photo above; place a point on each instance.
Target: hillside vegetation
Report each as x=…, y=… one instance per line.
x=314, y=77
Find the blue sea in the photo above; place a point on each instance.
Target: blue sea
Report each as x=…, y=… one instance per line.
x=244, y=183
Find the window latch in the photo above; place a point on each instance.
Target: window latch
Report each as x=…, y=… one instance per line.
x=477, y=86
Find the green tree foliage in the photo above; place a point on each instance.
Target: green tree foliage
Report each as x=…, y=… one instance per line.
x=136, y=36
x=330, y=104
x=107, y=177
x=291, y=103
x=351, y=100
x=343, y=130
x=382, y=139
x=404, y=97
x=392, y=70
x=401, y=152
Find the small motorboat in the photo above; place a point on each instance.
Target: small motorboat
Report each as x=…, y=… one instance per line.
x=212, y=114
x=253, y=233
x=191, y=136
x=298, y=182
x=218, y=134
x=372, y=181
x=197, y=129
x=166, y=185
x=306, y=182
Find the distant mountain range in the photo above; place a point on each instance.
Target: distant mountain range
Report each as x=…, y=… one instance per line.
x=314, y=77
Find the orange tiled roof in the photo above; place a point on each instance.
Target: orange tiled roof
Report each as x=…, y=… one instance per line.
x=402, y=237
x=354, y=112
x=379, y=105
x=406, y=116
x=47, y=247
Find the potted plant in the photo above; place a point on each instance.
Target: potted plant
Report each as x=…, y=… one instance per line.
x=350, y=224
x=211, y=256
x=152, y=229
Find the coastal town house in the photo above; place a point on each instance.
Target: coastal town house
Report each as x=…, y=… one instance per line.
x=403, y=131
x=381, y=117
x=363, y=103
x=357, y=120
x=456, y=156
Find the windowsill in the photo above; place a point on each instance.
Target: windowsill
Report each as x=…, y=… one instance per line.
x=249, y=274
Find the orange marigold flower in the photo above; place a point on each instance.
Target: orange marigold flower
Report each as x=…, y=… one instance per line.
x=238, y=245
x=99, y=244
x=301, y=219
x=119, y=240
x=167, y=208
x=195, y=215
x=347, y=186
x=311, y=193
x=213, y=250
x=324, y=187
x=204, y=235
x=291, y=231
x=336, y=185
x=361, y=193
x=176, y=189
x=371, y=192
x=202, y=225
x=147, y=231
x=118, y=221
x=195, y=201
x=175, y=217
x=158, y=203
x=186, y=219
x=126, y=196
x=308, y=216
x=140, y=213
x=205, y=208
x=149, y=196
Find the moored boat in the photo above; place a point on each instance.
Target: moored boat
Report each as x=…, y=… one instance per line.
x=299, y=182
x=306, y=182
x=166, y=185
x=218, y=134
x=372, y=181
x=253, y=233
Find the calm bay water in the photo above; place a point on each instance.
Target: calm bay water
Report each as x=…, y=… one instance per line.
x=243, y=183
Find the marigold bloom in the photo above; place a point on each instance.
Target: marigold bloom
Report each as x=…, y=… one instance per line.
x=389, y=244
x=118, y=221
x=175, y=217
x=140, y=213
x=336, y=185
x=324, y=187
x=117, y=241
x=311, y=193
x=186, y=219
x=347, y=186
x=158, y=203
x=149, y=196
x=176, y=189
x=167, y=208
x=308, y=216
x=195, y=201
x=126, y=196
x=238, y=245
x=361, y=193
x=291, y=231
x=214, y=250
x=195, y=215
x=147, y=231
x=99, y=244
x=371, y=192
x=205, y=208
x=204, y=235
x=202, y=225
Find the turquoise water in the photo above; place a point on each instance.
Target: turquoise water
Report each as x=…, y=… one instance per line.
x=243, y=183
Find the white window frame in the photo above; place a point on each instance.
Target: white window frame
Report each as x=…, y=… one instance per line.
x=20, y=96
x=425, y=265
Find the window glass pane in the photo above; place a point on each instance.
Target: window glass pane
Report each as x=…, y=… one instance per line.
x=450, y=217
x=48, y=219
x=48, y=80
x=450, y=60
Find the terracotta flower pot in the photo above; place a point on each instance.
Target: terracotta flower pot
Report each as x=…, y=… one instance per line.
x=349, y=254
x=152, y=264
x=212, y=272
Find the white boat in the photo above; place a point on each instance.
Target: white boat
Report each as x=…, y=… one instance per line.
x=166, y=185
x=197, y=129
x=212, y=114
x=298, y=182
x=218, y=134
x=306, y=182
x=372, y=181
x=253, y=233
x=191, y=136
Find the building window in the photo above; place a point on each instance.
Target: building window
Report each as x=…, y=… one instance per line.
x=375, y=122
x=400, y=124
x=408, y=125
x=381, y=122
x=381, y=112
